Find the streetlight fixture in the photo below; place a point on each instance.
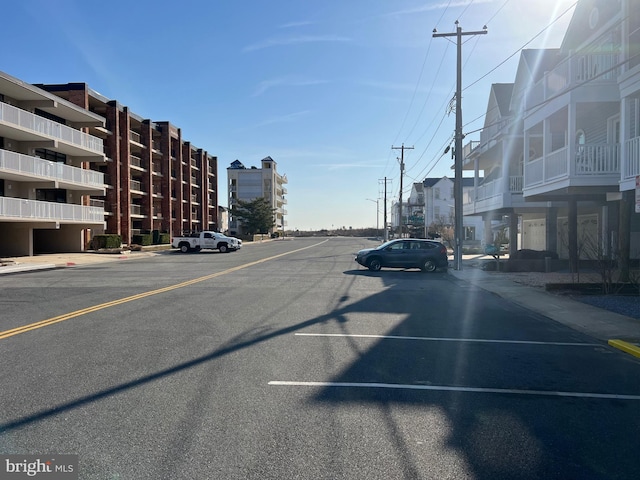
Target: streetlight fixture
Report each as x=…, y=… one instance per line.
x=377, y=215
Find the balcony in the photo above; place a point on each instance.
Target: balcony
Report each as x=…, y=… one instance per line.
x=592, y=70
x=136, y=186
x=27, y=127
x=135, y=137
x=494, y=195
x=135, y=209
x=592, y=165
x=24, y=168
x=22, y=210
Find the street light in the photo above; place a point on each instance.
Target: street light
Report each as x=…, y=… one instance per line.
x=377, y=215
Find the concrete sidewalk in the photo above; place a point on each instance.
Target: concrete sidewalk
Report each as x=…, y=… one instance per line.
x=618, y=330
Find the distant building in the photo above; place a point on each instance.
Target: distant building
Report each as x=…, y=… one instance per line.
x=223, y=219
x=430, y=203
x=247, y=184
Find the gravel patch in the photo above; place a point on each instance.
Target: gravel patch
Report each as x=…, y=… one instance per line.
x=628, y=305
x=623, y=304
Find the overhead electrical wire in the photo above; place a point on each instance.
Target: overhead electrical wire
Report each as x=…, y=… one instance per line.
x=417, y=87
x=437, y=158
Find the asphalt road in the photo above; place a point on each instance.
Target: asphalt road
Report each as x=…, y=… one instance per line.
x=287, y=360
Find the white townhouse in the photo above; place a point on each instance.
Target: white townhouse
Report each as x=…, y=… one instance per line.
x=571, y=130
x=431, y=202
x=247, y=184
x=44, y=183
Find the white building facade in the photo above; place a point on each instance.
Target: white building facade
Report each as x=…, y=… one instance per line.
x=431, y=203
x=45, y=185
x=560, y=149
x=247, y=184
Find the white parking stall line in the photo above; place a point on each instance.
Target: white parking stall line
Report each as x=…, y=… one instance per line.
x=444, y=388
x=445, y=339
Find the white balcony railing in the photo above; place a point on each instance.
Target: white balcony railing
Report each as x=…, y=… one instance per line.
x=632, y=165
x=515, y=183
x=589, y=160
x=48, y=128
x=44, y=169
x=496, y=187
x=23, y=209
x=135, y=137
x=601, y=159
x=593, y=68
x=135, y=161
x=135, y=185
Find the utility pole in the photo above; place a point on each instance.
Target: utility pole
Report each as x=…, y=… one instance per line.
x=386, y=232
x=402, y=149
x=457, y=184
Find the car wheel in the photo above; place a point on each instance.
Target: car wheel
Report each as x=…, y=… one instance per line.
x=223, y=248
x=429, y=266
x=375, y=264
x=184, y=247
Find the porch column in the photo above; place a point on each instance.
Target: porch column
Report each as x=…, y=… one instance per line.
x=506, y=173
x=488, y=233
x=624, y=233
x=551, y=231
x=573, y=236
x=513, y=232
x=476, y=181
x=571, y=139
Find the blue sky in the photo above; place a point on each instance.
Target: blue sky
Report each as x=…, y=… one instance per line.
x=325, y=88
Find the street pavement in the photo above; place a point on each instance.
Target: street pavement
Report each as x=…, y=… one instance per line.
x=619, y=331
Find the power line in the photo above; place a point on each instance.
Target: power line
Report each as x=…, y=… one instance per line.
x=521, y=48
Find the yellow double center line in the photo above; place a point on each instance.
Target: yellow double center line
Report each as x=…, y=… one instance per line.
x=95, y=308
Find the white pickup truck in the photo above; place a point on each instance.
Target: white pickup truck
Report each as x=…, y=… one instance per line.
x=206, y=239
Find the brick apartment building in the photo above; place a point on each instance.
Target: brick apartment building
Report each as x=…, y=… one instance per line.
x=74, y=164
x=155, y=180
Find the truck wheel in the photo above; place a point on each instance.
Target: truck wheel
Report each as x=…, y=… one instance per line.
x=223, y=248
x=184, y=247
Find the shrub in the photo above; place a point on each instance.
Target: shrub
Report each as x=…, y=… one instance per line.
x=533, y=255
x=142, y=239
x=164, y=238
x=105, y=241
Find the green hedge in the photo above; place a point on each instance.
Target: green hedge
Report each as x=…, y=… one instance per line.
x=106, y=241
x=164, y=238
x=142, y=239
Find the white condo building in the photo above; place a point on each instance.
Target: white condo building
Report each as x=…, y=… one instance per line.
x=247, y=184
x=45, y=185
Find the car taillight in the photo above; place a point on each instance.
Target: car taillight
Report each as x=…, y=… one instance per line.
x=443, y=249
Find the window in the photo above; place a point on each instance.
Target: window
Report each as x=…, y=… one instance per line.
x=469, y=233
x=57, y=195
x=396, y=246
x=436, y=193
x=51, y=155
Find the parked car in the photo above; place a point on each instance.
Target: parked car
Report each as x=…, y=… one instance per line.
x=427, y=255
